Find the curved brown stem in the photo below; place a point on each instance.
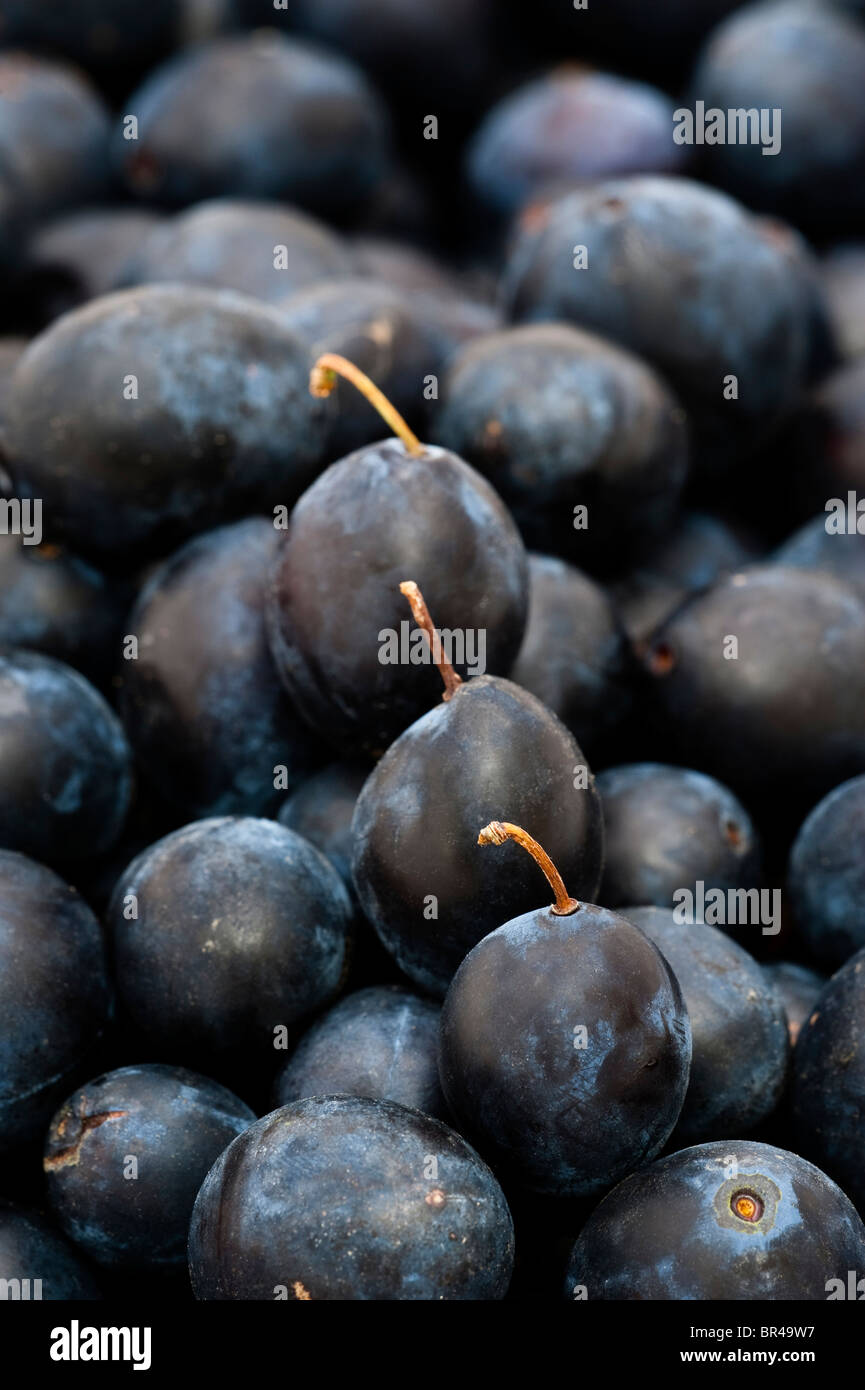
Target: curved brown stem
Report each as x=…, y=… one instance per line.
x=322, y=380
x=421, y=615
x=497, y=832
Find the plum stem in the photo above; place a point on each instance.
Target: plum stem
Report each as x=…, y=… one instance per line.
x=322, y=380
x=421, y=615
x=498, y=832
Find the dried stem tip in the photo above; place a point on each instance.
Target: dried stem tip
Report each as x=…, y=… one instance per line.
x=498, y=832
x=421, y=615
x=322, y=380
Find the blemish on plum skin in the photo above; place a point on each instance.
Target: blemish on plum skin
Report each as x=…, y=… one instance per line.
x=71, y=1155
x=436, y=1199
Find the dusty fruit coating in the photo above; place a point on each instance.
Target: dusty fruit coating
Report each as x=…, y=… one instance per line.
x=330, y=1198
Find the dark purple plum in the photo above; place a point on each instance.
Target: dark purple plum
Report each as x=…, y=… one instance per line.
x=567, y=126
x=842, y=276
x=54, y=602
x=339, y=628
x=133, y=445
x=263, y=249
x=575, y=656
x=739, y=1028
x=829, y=1081
x=227, y=934
x=683, y=276
x=380, y=1042
x=283, y=119
x=81, y=255
x=421, y=1217
x=812, y=547
x=420, y=878
x=826, y=876
x=54, y=995
x=668, y=827
x=321, y=810
x=54, y=134
x=807, y=62
x=559, y=420
x=207, y=716
x=125, y=1157
x=733, y=1220
x=783, y=719
x=34, y=1253
x=65, y=765
x=565, y=1045
x=798, y=989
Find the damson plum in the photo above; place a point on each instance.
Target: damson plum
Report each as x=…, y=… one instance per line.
x=380, y=1042
x=337, y=622
x=331, y=1198
x=377, y=328
x=148, y=414
x=54, y=132
x=559, y=420
x=570, y=125
x=54, y=602
x=668, y=827
x=829, y=1080
x=210, y=723
x=798, y=988
x=237, y=244
x=575, y=655
x=81, y=255
x=685, y=278
x=227, y=935
x=256, y=116
x=806, y=62
x=826, y=878
x=738, y=1027
x=31, y=1249
x=65, y=765
x=125, y=1156
x=565, y=1045
x=812, y=547
x=321, y=810
x=762, y=682
x=421, y=881
x=54, y=994
x=733, y=1220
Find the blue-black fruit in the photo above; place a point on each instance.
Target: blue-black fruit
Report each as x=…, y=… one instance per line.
x=668, y=828
x=54, y=994
x=380, y=1042
x=780, y=715
x=321, y=810
x=263, y=249
x=826, y=881
x=208, y=718
x=346, y=1198
x=568, y=126
x=420, y=878
x=738, y=1027
x=684, y=277
x=829, y=1080
x=227, y=935
x=575, y=656
x=812, y=547
x=339, y=629
x=79, y=255
x=65, y=765
x=565, y=1044
x=150, y=414
x=806, y=63
x=256, y=116
x=798, y=989
x=36, y=1262
x=586, y=445
x=125, y=1157
x=54, y=602
x=734, y=1220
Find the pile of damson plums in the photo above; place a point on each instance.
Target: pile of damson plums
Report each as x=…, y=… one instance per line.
x=432, y=649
